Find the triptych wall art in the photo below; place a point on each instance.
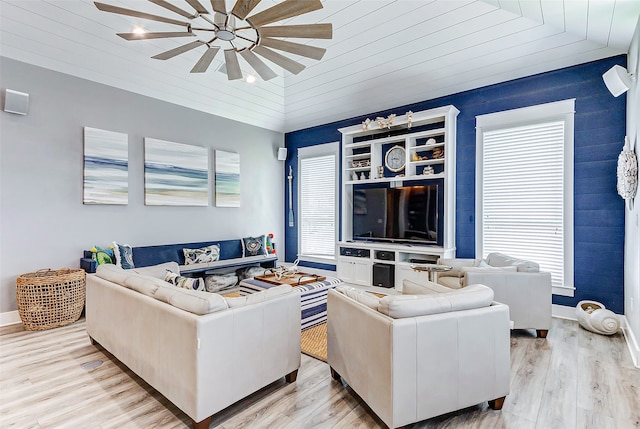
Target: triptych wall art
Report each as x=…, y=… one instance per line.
x=106, y=167
x=175, y=174
x=227, y=179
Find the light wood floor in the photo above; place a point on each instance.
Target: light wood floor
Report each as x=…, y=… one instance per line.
x=573, y=379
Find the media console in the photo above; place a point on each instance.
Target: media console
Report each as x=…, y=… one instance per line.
x=388, y=264
x=414, y=150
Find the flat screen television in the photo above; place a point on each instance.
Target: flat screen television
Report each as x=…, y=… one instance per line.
x=408, y=214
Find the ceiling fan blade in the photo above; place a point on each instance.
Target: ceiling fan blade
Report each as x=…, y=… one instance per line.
x=258, y=65
x=177, y=51
x=232, y=64
x=198, y=6
x=242, y=8
x=279, y=59
x=286, y=9
x=122, y=11
x=205, y=60
x=308, y=31
x=294, y=48
x=172, y=8
x=162, y=35
x=219, y=6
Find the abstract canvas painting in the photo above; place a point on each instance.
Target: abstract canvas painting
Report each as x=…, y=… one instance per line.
x=175, y=174
x=106, y=167
x=227, y=179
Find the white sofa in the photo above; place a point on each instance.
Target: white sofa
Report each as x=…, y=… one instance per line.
x=519, y=283
x=201, y=351
x=413, y=357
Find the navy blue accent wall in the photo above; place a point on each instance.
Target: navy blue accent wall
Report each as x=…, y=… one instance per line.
x=599, y=136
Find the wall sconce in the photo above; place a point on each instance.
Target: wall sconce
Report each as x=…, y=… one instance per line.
x=618, y=80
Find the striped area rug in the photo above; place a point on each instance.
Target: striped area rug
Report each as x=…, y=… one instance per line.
x=313, y=341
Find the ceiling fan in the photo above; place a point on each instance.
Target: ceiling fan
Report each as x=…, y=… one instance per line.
x=247, y=36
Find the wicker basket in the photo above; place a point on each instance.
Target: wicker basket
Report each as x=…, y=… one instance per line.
x=50, y=298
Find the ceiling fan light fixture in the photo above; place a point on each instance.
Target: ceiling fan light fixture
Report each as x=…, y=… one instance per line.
x=212, y=29
x=251, y=78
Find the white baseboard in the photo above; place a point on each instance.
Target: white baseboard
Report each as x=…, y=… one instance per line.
x=563, y=312
x=10, y=318
x=632, y=343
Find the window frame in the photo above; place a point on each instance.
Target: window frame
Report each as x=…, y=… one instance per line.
x=556, y=111
x=325, y=149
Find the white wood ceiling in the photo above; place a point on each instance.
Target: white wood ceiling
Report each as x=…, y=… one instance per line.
x=383, y=53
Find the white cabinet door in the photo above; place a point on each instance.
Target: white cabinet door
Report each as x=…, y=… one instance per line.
x=362, y=273
x=354, y=272
x=345, y=270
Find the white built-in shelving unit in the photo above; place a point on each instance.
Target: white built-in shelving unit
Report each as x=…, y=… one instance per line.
x=430, y=142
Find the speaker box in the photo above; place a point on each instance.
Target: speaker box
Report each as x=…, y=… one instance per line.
x=16, y=102
x=384, y=275
x=282, y=154
x=617, y=80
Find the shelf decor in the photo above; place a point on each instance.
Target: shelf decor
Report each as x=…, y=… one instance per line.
x=106, y=167
x=175, y=174
x=227, y=179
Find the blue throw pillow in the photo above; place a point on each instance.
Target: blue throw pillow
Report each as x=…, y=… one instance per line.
x=124, y=255
x=254, y=246
x=184, y=282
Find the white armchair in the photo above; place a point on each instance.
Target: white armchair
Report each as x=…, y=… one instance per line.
x=413, y=357
x=515, y=282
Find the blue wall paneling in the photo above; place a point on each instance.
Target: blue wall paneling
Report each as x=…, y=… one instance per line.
x=599, y=136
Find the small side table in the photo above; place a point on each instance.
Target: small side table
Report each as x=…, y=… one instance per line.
x=432, y=269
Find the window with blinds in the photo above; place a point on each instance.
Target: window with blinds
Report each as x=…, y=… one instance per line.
x=525, y=195
x=317, y=204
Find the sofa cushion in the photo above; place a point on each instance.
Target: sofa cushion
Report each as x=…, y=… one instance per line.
x=193, y=301
x=489, y=268
x=112, y=273
x=401, y=306
x=258, y=296
x=451, y=282
x=456, y=264
x=184, y=282
x=426, y=288
x=501, y=260
x=146, y=285
x=158, y=271
x=361, y=296
x=201, y=255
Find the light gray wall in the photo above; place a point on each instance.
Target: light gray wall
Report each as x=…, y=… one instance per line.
x=43, y=222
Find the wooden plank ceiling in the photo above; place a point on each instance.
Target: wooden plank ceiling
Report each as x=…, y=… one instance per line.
x=383, y=53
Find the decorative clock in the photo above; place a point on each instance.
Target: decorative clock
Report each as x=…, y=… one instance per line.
x=395, y=159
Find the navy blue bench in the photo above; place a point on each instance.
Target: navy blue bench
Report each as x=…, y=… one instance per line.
x=230, y=256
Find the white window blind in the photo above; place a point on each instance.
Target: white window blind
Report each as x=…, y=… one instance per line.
x=317, y=220
x=524, y=194
x=523, y=184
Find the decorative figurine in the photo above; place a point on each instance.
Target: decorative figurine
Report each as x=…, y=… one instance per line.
x=354, y=175
x=362, y=176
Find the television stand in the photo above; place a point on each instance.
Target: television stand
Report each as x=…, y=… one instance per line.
x=356, y=260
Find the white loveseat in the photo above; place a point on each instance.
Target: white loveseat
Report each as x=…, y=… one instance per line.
x=519, y=283
x=201, y=351
x=412, y=357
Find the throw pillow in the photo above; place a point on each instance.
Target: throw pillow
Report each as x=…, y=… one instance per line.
x=254, y=246
x=184, y=282
x=215, y=283
x=103, y=256
x=201, y=255
x=249, y=272
x=124, y=255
